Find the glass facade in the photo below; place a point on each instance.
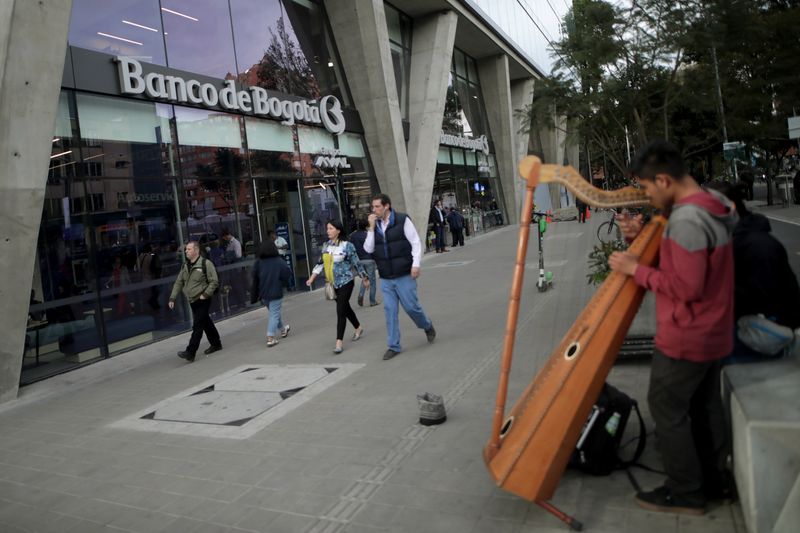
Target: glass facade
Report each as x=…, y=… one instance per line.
x=399, y=26
x=467, y=179
x=132, y=181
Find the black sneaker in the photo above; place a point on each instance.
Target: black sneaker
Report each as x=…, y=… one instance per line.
x=186, y=355
x=389, y=354
x=430, y=333
x=662, y=499
x=211, y=349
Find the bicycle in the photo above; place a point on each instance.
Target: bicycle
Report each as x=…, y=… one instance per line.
x=609, y=231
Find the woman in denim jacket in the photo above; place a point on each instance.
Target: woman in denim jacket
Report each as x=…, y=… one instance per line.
x=345, y=260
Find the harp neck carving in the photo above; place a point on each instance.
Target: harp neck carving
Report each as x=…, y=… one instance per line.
x=585, y=191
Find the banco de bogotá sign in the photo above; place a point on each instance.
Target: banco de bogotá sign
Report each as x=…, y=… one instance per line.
x=253, y=100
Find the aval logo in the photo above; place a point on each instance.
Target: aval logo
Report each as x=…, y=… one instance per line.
x=253, y=100
x=331, y=159
x=478, y=143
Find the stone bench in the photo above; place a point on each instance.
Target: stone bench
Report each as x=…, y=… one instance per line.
x=765, y=424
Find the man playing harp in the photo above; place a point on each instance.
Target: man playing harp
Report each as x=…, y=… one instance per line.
x=693, y=284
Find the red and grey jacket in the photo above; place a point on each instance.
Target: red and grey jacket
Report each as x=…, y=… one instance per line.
x=694, y=279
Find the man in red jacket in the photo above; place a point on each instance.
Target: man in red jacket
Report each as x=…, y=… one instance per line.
x=693, y=283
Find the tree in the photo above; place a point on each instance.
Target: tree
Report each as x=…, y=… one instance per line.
x=652, y=67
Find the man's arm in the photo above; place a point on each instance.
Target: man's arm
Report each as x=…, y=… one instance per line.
x=180, y=281
x=369, y=242
x=682, y=273
x=211, y=276
x=416, y=246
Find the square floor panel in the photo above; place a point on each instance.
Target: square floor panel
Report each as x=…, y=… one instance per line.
x=239, y=403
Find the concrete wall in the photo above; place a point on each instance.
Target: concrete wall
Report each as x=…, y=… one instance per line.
x=33, y=37
x=431, y=55
x=496, y=88
x=521, y=96
x=359, y=28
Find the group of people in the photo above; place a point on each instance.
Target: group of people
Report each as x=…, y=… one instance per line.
x=451, y=217
x=717, y=262
x=387, y=242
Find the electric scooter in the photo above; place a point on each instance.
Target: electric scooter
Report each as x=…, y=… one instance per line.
x=545, y=280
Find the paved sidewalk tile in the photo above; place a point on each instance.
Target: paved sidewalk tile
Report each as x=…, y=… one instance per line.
x=353, y=458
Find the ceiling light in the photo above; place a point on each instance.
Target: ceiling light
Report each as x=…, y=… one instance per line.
x=59, y=155
x=179, y=14
x=93, y=157
x=56, y=139
x=139, y=26
x=330, y=63
x=118, y=38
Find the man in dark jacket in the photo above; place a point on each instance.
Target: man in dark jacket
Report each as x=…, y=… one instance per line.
x=198, y=281
x=437, y=218
x=394, y=244
x=764, y=281
x=357, y=238
x=456, y=222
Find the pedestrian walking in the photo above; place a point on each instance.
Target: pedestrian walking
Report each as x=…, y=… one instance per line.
x=693, y=283
x=198, y=281
x=764, y=281
x=357, y=238
x=270, y=275
x=438, y=220
x=581, y=210
x=394, y=244
x=456, y=222
x=342, y=257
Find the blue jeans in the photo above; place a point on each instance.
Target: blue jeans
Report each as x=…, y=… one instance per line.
x=275, y=323
x=369, y=266
x=402, y=291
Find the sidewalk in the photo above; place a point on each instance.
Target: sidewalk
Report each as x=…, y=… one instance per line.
x=352, y=458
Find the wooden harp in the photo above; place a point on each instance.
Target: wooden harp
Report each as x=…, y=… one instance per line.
x=531, y=445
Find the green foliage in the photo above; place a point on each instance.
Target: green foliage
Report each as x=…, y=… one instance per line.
x=598, y=260
x=650, y=66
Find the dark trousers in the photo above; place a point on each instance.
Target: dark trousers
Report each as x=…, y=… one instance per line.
x=582, y=214
x=439, y=229
x=343, y=310
x=458, y=237
x=685, y=403
x=202, y=323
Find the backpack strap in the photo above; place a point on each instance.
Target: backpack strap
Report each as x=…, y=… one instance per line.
x=642, y=440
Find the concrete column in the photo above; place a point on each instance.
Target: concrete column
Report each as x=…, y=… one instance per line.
x=362, y=38
x=431, y=55
x=33, y=37
x=521, y=96
x=553, y=148
x=496, y=88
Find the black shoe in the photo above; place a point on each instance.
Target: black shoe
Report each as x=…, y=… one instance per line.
x=389, y=354
x=662, y=499
x=211, y=349
x=361, y=301
x=186, y=355
x=430, y=333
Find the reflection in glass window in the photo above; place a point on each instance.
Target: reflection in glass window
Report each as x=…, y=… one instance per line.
x=270, y=148
x=122, y=27
x=125, y=138
x=198, y=36
x=399, y=26
x=285, y=46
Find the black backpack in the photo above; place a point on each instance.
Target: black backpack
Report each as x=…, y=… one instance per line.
x=597, y=451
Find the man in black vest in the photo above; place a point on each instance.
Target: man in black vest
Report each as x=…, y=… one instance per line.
x=395, y=246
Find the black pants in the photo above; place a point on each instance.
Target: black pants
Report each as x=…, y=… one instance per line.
x=582, y=214
x=458, y=237
x=685, y=403
x=439, y=229
x=202, y=323
x=343, y=310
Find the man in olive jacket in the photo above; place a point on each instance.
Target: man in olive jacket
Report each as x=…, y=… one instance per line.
x=198, y=280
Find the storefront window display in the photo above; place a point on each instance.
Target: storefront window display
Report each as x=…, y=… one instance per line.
x=467, y=178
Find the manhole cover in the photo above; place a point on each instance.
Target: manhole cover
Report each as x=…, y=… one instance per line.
x=239, y=403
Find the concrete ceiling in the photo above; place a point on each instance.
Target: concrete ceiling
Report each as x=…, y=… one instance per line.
x=472, y=38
